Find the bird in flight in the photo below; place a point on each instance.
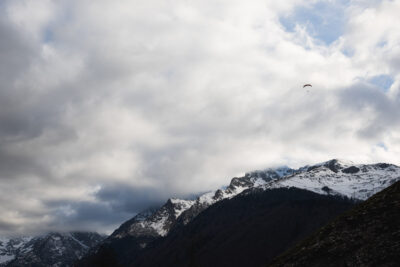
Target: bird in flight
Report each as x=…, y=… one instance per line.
x=307, y=85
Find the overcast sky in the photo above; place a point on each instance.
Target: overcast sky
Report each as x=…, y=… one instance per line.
x=110, y=106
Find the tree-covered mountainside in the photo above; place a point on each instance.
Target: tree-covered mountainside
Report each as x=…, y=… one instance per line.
x=368, y=235
x=247, y=230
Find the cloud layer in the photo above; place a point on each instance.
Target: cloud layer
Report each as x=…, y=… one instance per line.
x=108, y=108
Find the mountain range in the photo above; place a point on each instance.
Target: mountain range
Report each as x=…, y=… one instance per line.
x=148, y=230
x=248, y=223
x=332, y=177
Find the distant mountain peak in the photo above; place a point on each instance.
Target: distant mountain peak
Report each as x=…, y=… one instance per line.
x=51, y=249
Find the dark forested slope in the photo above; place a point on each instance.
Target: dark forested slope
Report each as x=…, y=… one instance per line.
x=247, y=230
x=368, y=235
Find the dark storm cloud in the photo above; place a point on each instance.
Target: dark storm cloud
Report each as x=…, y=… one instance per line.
x=81, y=215
x=129, y=199
x=8, y=227
x=113, y=206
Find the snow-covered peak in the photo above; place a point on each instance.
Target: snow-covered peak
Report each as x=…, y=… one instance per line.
x=358, y=181
x=334, y=165
x=340, y=162
x=154, y=222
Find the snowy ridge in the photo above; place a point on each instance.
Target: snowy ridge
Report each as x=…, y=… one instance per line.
x=238, y=185
x=154, y=222
x=342, y=177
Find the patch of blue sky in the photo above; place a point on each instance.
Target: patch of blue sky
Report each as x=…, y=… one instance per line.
x=324, y=20
x=382, y=81
x=347, y=51
x=48, y=35
x=382, y=43
x=382, y=145
x=49, y=32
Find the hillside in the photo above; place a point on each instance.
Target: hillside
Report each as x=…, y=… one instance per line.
x=368, y=235
x=243, y=231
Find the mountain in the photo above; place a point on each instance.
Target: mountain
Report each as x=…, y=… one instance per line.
x=358, y=181
x=368, y=235
x=53, y=249
x=154, y=223
x=331, y=177
x=247, y=230
x=334, y=177
x=135, y=234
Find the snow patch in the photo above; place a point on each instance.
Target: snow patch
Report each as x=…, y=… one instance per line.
x=181, y=205
x=158, y=226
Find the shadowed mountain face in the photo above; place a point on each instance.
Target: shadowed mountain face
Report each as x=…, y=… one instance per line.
x=247, y=230
x=368, y=235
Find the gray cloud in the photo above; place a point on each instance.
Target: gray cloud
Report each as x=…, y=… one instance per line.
x=379, y=111
x=130, y=200
x=107, y=110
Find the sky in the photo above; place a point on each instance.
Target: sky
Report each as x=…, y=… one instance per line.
x=110, y=107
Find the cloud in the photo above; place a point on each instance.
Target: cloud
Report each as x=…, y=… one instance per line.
x=380, y=112
x=106, y=109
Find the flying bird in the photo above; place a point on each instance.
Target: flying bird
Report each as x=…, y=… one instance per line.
x=307, y=85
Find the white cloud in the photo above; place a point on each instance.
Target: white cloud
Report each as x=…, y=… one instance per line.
x=115, y=105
